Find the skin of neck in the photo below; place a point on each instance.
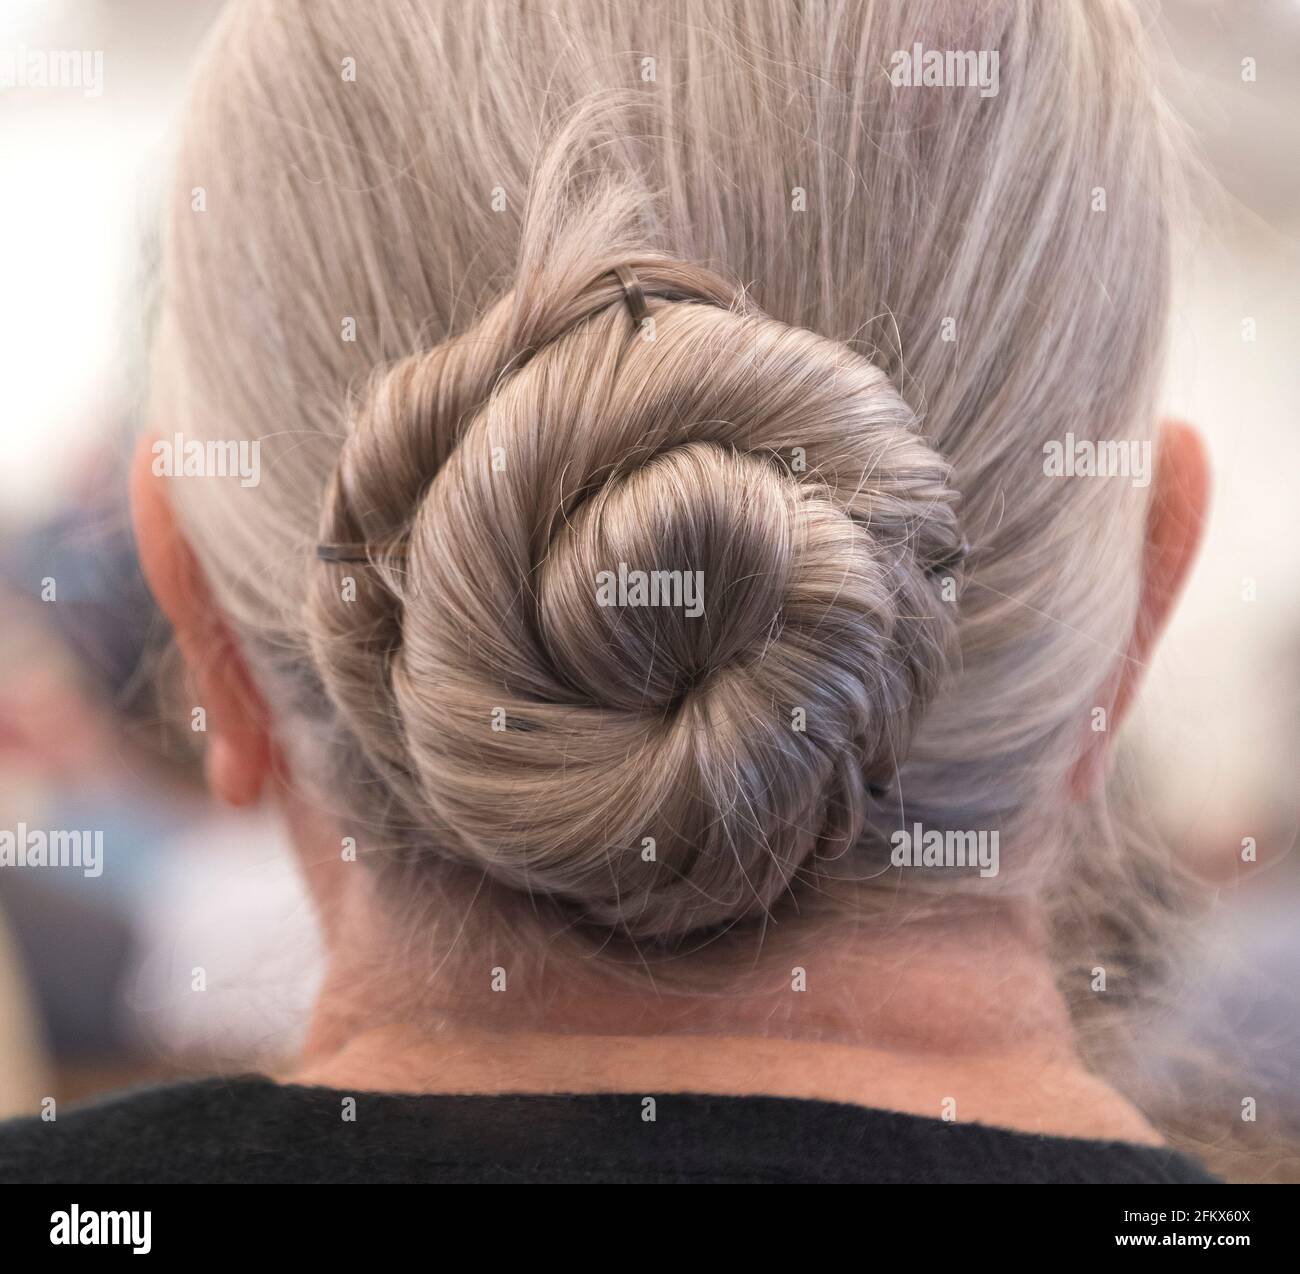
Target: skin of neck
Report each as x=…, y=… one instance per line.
x=954, y=1016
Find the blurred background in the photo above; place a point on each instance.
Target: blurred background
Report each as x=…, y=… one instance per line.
x=97, y=973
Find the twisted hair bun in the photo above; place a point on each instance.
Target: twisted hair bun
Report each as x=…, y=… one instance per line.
x=661, y=771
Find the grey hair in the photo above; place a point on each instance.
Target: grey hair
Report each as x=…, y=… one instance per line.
x=410, y=215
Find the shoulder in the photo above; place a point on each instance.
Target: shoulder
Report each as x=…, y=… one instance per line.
x=253, y=1130
x=247, y=1129
x=180, y=1132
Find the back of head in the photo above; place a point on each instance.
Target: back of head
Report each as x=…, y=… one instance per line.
x=670, y=583
x=663, y=619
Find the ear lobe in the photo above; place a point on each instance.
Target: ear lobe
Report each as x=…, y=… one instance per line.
x=1180, y=501
x=238, y=758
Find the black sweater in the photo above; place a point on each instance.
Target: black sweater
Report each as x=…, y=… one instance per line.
x=253, y=1130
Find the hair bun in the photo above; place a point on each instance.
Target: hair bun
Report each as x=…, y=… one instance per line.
x=668, y=601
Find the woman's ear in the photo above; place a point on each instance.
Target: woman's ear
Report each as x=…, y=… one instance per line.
x=1180, y=500
x=236, y=724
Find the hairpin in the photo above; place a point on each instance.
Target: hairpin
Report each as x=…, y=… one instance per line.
x=952, y=559
x=361, y=554
x=632, y=294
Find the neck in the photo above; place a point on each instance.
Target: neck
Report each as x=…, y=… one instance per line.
x=955, y=1017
